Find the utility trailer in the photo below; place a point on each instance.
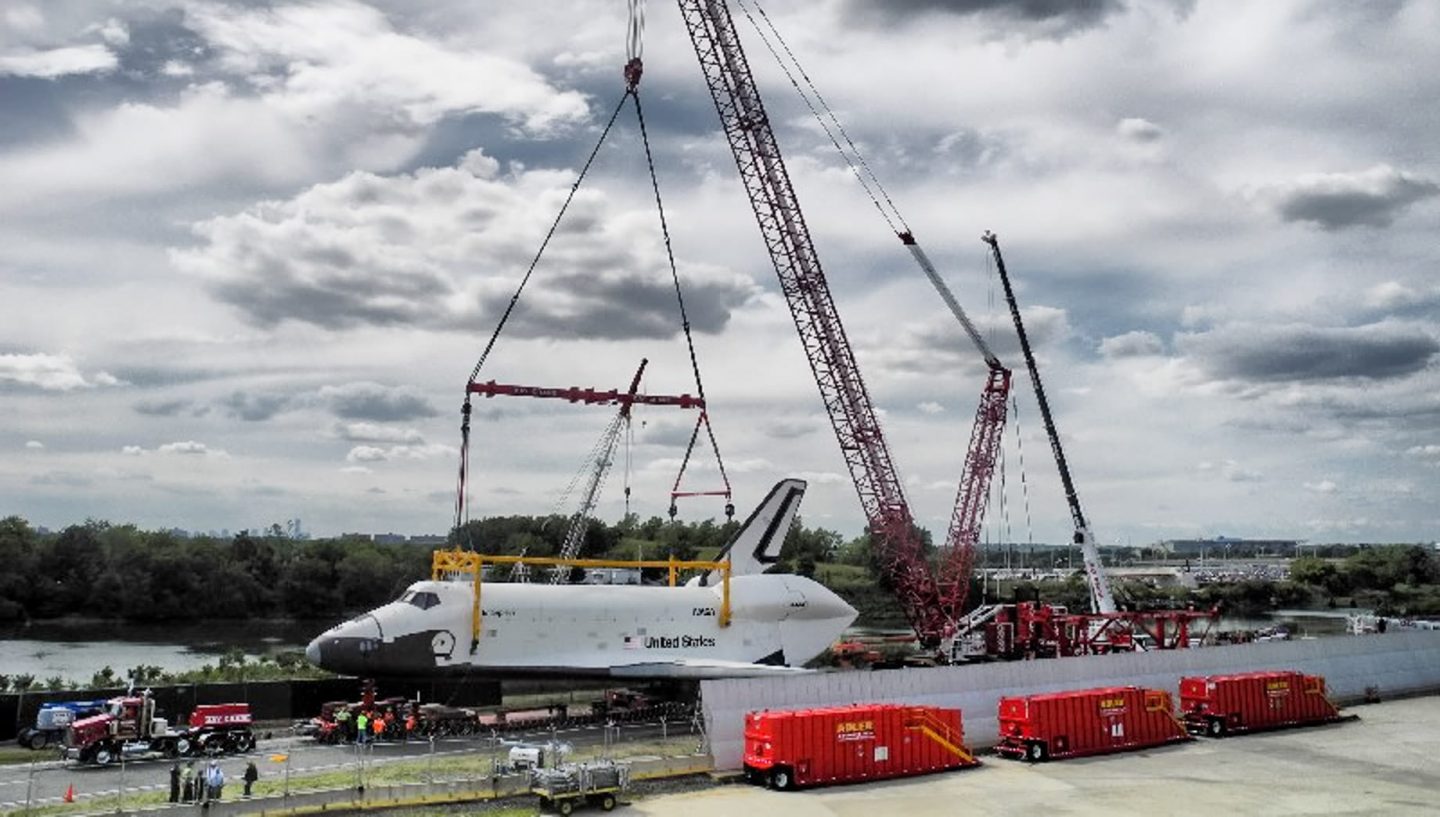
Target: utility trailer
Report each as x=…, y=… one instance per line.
x=564, y=787
x=1217, y=705
x=849, y=744
x=1087, y=722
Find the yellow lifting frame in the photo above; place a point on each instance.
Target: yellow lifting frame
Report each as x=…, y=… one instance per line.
x=465, y=562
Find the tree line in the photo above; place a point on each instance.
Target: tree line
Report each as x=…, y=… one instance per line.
x=118, y=571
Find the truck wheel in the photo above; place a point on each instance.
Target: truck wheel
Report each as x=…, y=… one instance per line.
x=781, y=779
x=244, y=742
x=1036, y=752
x=104, y=755
x=1216, y=728
x=565, y=807
x=184, y=747
x=607, y=802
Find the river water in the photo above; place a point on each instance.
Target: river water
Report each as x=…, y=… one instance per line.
x=78, y=650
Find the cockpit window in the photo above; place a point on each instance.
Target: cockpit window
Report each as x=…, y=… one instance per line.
x=423, y=600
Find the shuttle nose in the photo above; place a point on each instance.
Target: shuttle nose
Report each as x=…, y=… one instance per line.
x=828, y=605
x=345, y=648
x=819, y=601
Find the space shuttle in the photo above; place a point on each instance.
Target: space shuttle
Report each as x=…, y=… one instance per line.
x=778, y=622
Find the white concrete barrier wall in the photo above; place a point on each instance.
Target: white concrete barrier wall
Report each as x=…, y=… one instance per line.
x=1394, y=663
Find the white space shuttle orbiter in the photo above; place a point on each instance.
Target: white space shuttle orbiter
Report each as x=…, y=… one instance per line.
x=777, y=621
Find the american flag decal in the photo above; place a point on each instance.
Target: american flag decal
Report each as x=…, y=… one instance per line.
x=632, y=643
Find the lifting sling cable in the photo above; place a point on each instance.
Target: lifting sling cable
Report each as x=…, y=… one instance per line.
x=634, y=45
x=868, y=180
x=863, y=173
x=1024, y=482
x=704, y=418
x=462, y=509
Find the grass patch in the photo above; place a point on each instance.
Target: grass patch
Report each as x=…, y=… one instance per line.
x=106, y=803
x=11, y=755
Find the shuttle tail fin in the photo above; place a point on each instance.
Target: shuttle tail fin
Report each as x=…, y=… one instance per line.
x=756, y=546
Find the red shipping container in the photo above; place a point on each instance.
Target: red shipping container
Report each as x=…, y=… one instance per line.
x=847, y=744
x=1218, y=704
x=1087, y=722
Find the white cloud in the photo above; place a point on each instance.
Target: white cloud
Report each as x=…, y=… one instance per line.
x=1231, y=471
x=316, y=58
x=132, y=451
x=372, y=453
x=1139, y=130
x=369, y=250
x=366, y=453
x=313, y=89
x=49, y=372
x=1335, y=201
x=58, y=62
x=114, y=32
x=1132, y=344
x=191, y=448
x=1428, y=454
x=374, y=432
x=35, y=445
x=930, y=407
x=1324, y=486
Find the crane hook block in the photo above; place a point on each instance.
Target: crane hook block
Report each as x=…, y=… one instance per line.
x=729, y=510
x=633, y=69
x=673, y=510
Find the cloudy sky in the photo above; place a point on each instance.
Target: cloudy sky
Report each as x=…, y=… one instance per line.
x=250, y=252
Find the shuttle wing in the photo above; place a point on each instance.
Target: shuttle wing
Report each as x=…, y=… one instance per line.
x=701, y=668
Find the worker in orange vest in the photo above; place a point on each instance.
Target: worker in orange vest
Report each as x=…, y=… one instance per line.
x=378, y=727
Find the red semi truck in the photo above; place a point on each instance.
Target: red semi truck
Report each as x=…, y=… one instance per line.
x=847, y=744
x=1087, y=722
x=130, y=729
x=1216, y=705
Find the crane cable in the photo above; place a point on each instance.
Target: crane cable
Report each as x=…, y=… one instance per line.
x=462, y=509
x=868, y=180
x=704, y=419
x=634, y=48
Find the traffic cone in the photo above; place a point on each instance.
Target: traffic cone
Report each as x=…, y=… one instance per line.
x=70, y=794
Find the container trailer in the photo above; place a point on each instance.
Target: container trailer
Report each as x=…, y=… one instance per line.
x=1087, y=722
x=1217, y=705
x=847, y=744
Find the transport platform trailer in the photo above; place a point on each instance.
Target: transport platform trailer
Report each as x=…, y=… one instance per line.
x=849, y=744
x=1217, y=705
x=1087, y=722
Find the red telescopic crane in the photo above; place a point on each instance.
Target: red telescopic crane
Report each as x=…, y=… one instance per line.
x=932, y=606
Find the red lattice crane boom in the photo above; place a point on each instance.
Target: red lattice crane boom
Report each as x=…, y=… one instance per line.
x=931, y=606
